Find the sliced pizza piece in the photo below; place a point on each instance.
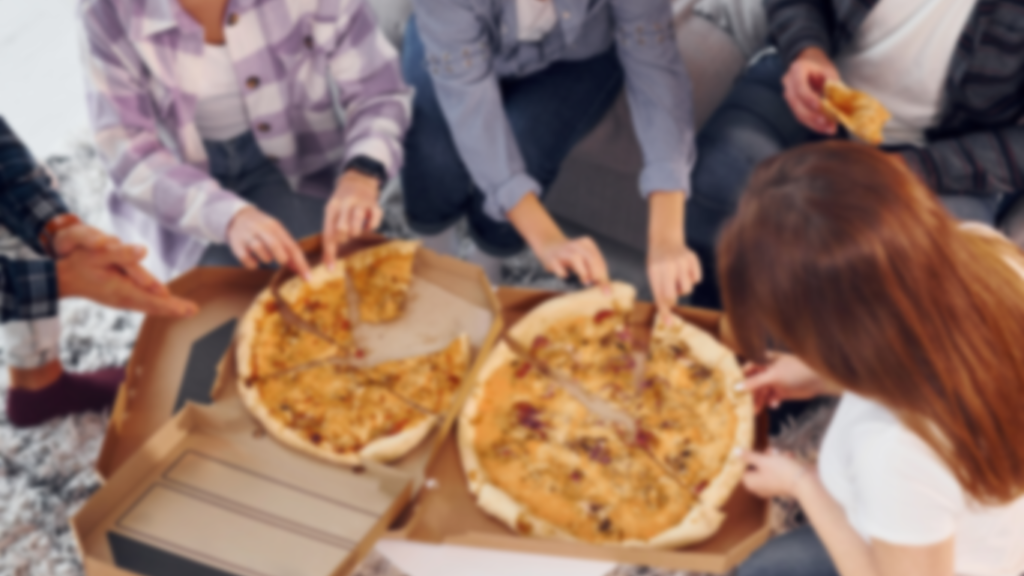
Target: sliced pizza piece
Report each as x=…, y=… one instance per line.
x=351, y=415
x=381, y=277
x=267, y=345
x=863, y=115
x=322, y=301
x=695, y=419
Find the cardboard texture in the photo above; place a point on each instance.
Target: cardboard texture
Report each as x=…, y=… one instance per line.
x=204, y=490
x=446, y=511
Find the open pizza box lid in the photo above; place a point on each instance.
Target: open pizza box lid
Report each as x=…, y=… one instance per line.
x=195, y=486
x=447, y=513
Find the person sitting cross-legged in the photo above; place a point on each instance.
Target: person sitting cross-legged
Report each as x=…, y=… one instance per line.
x=46, y=254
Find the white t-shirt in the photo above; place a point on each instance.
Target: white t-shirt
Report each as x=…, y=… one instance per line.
x=894, y=488
x=220, y=110
x=901, y=56
x=535, y=19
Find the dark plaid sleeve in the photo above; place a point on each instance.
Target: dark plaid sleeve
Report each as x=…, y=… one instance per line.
x=28, y=289
x=980, y=163
x=794, y=25
x=27, y=200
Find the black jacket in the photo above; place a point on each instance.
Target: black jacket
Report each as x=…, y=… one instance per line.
x=977, y=148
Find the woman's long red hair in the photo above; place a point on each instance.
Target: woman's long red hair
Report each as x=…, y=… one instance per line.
x=840, y=255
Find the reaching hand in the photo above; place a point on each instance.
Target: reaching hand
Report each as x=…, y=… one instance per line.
x=580, y=256
x=804, y=85
x=774, y=474
x=785, y=377
x=256, y=237
x=673, y=270
x=99, y=275
x=351, y=212
x=81, y=236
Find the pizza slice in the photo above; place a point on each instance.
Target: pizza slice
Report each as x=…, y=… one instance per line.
x=268, y=345
x=381, y=277
x=861, y=114
x=322, y=302
x=349, y=415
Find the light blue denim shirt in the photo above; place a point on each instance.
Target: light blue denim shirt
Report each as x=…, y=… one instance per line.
x=472, y=43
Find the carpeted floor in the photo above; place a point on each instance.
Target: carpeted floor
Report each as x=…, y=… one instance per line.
x=46, y=472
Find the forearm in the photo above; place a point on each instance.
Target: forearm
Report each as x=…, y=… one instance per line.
x=850, y=553
x=534, y=223
x=666, y=218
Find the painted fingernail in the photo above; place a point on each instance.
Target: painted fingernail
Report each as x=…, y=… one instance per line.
x=737, y=452
x=740, y=386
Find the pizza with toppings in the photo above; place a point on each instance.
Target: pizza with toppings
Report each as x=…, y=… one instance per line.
x=542, y=458
x=301, y=369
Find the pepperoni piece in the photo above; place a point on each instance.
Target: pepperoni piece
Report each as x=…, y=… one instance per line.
x=603, y=315
x=700, y=487
x=540, y=342
x=523, y=369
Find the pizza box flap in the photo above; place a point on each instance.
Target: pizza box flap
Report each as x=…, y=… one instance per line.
x=447, y=513
x=205, y=495
x=178, y=360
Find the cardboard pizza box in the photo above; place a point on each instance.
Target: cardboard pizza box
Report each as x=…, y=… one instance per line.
x=446, y=512
x=178, y=366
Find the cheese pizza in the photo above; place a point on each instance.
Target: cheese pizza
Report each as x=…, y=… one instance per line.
x=542, y=458
x=301, y=369
x=863, y=115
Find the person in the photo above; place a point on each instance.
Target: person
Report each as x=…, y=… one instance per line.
x=947, y=71
x=841, y=257
x=503, y=90
x=217, y=123
x=46, y=253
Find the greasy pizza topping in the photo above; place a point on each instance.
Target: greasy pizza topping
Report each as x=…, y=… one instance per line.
x=565, y=466
x=381, y=278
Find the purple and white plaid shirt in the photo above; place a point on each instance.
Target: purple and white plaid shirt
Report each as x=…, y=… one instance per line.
x=286, y=55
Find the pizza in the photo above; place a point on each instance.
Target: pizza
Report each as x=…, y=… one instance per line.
x=541, y=459
x=861, y=114
x=381, y=278
x=302, y=376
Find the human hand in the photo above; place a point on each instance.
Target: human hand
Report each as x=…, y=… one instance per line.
x=352, y=211
x=100, y=276
x=673, y=270
x=256, y=237
x=774, y=474
x=81, y=236
x=785, y=377
x=580, y=256
x=804, y=86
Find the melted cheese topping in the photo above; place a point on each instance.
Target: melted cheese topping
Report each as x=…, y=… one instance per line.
x=543, y=448
x=382, y=285
x=278, y=346
x=343, y=409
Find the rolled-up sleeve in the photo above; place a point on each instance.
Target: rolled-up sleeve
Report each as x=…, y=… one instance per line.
x=147, y=174
x=659, y=91
x=459, y=57
x=376, y=101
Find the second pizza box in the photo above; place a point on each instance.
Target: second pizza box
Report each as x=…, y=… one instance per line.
x=447, y=513
x=195, y=486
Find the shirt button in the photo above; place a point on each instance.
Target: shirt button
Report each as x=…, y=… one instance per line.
x=232, y=19
x=308, y=40
x=252, y=83
x=263, y=127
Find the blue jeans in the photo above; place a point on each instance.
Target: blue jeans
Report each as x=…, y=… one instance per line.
x=549, y=112
x=239, y=165
x=753, y=124
x=795, y=553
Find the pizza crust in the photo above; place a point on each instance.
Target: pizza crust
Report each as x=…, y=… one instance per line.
x=705, y=518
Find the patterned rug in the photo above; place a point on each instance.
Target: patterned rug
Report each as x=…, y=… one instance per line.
x=46, y=472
